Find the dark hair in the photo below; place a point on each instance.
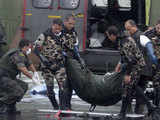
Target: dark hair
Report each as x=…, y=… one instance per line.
x=23, y=43
x=68, y=16
x=112, y=30
x=57, y=21
x=131, y=22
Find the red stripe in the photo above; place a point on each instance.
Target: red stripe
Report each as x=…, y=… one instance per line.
x=57, y=115
x=23, y=17
x=85, y=24
x=59, y=7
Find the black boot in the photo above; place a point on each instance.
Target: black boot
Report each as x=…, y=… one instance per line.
x=122, y=114
x=11, y=109
x=68, y=93
x=62, y=100
x=68, y=100
x=51, y=96
x=150, y=106
x=53, y=102
x=156, y=96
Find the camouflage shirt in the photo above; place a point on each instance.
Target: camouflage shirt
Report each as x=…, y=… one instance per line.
x=131, y=55
x=51, y=46
x=156, y=44
x=155, y=38
x=70, y=38
x=12, y=60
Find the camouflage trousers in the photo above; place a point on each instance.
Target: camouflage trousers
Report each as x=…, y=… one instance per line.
x=128, y=89
x=12, y=91
x=156, y=77
x=60, y=75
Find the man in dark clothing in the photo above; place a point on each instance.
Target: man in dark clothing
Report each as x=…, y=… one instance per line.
x=71, y=42
x=133, y=58
x=12, y=63
x=56, y=44
x=107, y=43
x=49, y=44
x=135, y=33
x=154, y=36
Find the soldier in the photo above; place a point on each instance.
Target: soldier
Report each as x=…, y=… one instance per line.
x=12, y=89
x=50, y=45
x=135, y=33
x=71, y=51
x=154, y=36
x=131, y=55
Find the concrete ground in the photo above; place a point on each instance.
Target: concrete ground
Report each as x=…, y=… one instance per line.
x=37, y=107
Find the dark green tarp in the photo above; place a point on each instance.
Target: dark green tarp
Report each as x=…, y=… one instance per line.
x=102, y=90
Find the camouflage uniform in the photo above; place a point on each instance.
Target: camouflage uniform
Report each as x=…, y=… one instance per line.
x=52, y=50
x=139, y=107
x=131, y=55
x=12, y=89
x=156, y=69
x=156, y=44
x=155, y=39
x=70, y=41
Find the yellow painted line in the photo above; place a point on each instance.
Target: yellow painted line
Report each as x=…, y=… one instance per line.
x=80, y=16
x=51, y=16
x=28, y=14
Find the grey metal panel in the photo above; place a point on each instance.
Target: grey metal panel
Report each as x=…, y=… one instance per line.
x=99, y=60
x=10, y=16
x=154, y=13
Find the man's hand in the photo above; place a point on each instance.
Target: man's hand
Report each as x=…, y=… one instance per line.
x=127, y=79
x=118, y=68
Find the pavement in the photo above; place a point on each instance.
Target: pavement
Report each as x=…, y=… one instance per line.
x=38, y=107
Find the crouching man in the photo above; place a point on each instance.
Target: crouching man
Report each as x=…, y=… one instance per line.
x=12, y=89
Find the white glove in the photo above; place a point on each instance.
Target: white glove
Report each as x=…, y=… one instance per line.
x=36, y=78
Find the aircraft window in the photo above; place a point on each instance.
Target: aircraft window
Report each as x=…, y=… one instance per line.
x=42, y=3
x=104, y=3
x=69, y=4
x=100, y=3
x=124, y=3
x=96, y=37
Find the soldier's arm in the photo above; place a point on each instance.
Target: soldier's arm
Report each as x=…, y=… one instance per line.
x=25, y=71
x=19, y=59
x=133, y=55
x=118, y=67
x=150, y=33
x=139, y=58
x=35, y=77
